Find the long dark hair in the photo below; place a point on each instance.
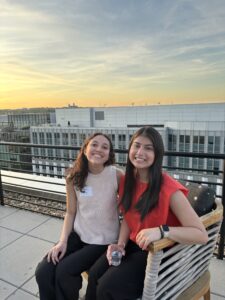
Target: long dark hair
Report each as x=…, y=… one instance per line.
x=149, y=199
x=79, y=171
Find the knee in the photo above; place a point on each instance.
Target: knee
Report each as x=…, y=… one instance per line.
x=38, y=273
x=105, y=289
x=60, y=273
x=42, y=272
x=93, y=275
x=66, y=281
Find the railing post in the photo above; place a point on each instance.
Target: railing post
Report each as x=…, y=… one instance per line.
x=222, y=229
x=1, y=191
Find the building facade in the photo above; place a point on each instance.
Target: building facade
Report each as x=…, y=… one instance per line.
x=194, y=128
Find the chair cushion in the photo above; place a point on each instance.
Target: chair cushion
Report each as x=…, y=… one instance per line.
x=201, y=197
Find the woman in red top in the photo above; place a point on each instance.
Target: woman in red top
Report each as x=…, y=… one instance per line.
x=154, y=206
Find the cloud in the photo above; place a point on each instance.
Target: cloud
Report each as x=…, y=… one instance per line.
x=74, y=44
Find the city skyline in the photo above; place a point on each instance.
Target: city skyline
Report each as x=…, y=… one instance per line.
x=111, y=53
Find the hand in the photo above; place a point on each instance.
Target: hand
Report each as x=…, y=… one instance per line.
x=114, y=247
x=147, y=236
x=57, y=252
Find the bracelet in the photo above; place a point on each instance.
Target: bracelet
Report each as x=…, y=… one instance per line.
x=161, y=232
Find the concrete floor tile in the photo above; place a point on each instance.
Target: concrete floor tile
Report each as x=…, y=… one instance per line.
x=23, y=221
x=217, y=271
x=215, y=297
x=6, y=289
x=6, y=211
x=49, y=230
x=21, y=295
x=19, y=259
x=31, y=286
x=7, y=236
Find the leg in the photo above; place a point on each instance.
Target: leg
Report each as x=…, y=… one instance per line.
x=207, y=295
x=45, y=277
x=45, y=272
x=125, y=281
x=68, y=278
x=95, y=272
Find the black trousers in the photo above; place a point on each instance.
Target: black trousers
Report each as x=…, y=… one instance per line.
x=63, y=281
x=124, y=282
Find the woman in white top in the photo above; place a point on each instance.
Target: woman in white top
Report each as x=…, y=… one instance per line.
x=90, y=224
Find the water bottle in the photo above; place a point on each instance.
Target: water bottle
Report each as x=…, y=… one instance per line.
x=116, y=258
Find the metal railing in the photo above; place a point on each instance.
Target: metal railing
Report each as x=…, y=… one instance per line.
x=26, y=152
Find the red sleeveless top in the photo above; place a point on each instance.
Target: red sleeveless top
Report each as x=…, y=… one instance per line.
x=159, y=215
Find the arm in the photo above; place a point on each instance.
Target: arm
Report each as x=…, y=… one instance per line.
x=58, y=251
x=71, y=202
x=124, y=234
x=192, y=230
x=119, y=174
x=122, y=241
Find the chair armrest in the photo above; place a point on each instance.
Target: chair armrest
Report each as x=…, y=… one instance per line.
x=208, y=220
x=171, y=271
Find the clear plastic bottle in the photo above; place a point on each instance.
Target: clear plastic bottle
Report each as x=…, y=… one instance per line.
x=116, y=258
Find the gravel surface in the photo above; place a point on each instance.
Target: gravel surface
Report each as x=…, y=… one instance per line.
x=36, y=204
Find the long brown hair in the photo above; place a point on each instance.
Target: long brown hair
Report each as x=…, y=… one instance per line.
x=149, y=199
x=79, y=172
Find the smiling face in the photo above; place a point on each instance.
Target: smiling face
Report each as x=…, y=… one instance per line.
x=142, y=153
x=97, y=150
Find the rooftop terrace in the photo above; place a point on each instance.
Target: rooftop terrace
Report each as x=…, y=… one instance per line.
x=25, y=238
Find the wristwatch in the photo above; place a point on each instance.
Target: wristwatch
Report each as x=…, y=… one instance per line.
x=166, y=231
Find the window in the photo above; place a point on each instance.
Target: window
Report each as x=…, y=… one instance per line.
x=43, y=152
x=65, y=140
x=36, y=152
x=57, y=153
x=41, y=137
x=186, y=162
x=99, y=115
x=57, y=138
x=66, y=154
x=172, y=161
x=187, y=143
x=210, y=144
x=181, y=162
x=112, y=137
x=201, y=143
x=49, y=138
x=224, y=145
x=181, y=145
x=122, y=137
x=50, y=153
x=82, y=138
x=59, y=170
x=195, y=143
x=216, y=167
x=34, y=135
x=172, y=142
x=209, y=164
x=73, y=138
x=217, y=144
x=201, y=163
x=195, y=163
x=74, y=154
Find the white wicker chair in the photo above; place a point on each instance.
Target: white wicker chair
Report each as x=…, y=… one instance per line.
x=176, y=271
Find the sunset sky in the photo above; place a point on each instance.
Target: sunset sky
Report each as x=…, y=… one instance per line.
x=111, y=52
